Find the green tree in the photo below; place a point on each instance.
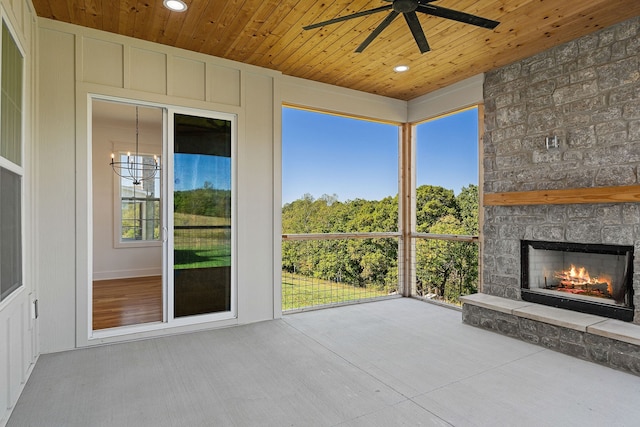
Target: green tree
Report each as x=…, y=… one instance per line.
x=445, y=268
x=432, y=203
x=469, y=208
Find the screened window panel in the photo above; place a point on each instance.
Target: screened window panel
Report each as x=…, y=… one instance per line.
x=10, y=234
x=11, y=99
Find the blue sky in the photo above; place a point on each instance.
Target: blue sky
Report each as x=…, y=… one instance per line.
x=193, y=170
x=447, y=151
x=326, y=154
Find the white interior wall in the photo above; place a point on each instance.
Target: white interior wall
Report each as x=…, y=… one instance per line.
x=110, y=262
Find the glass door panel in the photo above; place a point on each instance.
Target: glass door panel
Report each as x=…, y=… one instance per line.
x=202, y=235
x=127, y=287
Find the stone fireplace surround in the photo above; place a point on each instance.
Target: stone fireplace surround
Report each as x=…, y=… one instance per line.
x=587, y=92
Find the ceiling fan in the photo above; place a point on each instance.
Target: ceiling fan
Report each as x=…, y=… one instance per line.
x=408, y=9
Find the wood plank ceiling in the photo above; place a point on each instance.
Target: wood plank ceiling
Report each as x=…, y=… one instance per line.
x=268, y=33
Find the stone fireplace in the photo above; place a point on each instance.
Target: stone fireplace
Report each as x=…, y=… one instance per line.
x=589, y=278
x=582, y=192
x=585, y=190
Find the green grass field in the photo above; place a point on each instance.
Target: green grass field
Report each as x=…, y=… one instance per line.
x=189, y=219
x=201, y=248
x=302, y=291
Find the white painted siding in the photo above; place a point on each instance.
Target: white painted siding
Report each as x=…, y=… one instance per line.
x=55, y=191
x=18, y=330
x=255, y=191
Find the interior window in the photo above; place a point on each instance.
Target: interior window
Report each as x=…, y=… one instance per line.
x=140, y=205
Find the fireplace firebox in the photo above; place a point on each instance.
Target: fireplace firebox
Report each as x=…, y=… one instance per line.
x=589, y=278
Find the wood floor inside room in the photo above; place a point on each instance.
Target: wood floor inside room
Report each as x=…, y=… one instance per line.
x=125, y=302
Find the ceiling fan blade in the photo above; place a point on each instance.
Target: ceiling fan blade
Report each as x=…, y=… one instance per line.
x=416, y=30
x=455, y=15
x=346, y=17
x=384, y=24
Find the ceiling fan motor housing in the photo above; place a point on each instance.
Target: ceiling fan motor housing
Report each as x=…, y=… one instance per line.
x=408, y=9
x=405, y=6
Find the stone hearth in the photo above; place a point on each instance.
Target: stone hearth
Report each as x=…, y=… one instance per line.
x=608, y=342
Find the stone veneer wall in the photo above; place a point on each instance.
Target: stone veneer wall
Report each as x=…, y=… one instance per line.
x=588, y=93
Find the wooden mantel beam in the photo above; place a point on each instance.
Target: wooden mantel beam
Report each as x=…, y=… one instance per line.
x=621, y=194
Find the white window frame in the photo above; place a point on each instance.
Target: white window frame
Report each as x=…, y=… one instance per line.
x=118, y=242
x=15, y=168
x=169, y=180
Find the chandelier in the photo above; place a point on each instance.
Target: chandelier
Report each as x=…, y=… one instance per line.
x=136, y=168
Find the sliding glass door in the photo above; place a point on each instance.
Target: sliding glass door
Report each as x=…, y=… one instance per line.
x=163, y=232
x=202, y=229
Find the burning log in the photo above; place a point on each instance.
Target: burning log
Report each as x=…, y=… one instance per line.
x=578, y=281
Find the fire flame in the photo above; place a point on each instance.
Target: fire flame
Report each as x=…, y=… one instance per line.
x=580, y=273
x=579, y=276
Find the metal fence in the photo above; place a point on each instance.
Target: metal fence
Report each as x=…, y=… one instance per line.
x=202, y=246
x=322, y=270
x=445, y=267
x=329, y=269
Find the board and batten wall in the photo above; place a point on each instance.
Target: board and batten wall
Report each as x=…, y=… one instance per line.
x=76, y=63
x=18, y=326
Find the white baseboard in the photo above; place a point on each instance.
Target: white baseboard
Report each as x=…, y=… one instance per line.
x=123, y=274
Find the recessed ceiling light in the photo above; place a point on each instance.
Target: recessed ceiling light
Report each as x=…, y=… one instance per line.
x=400, y=68
x=175, y=5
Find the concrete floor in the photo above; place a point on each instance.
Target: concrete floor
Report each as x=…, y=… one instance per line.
x=388, y=363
